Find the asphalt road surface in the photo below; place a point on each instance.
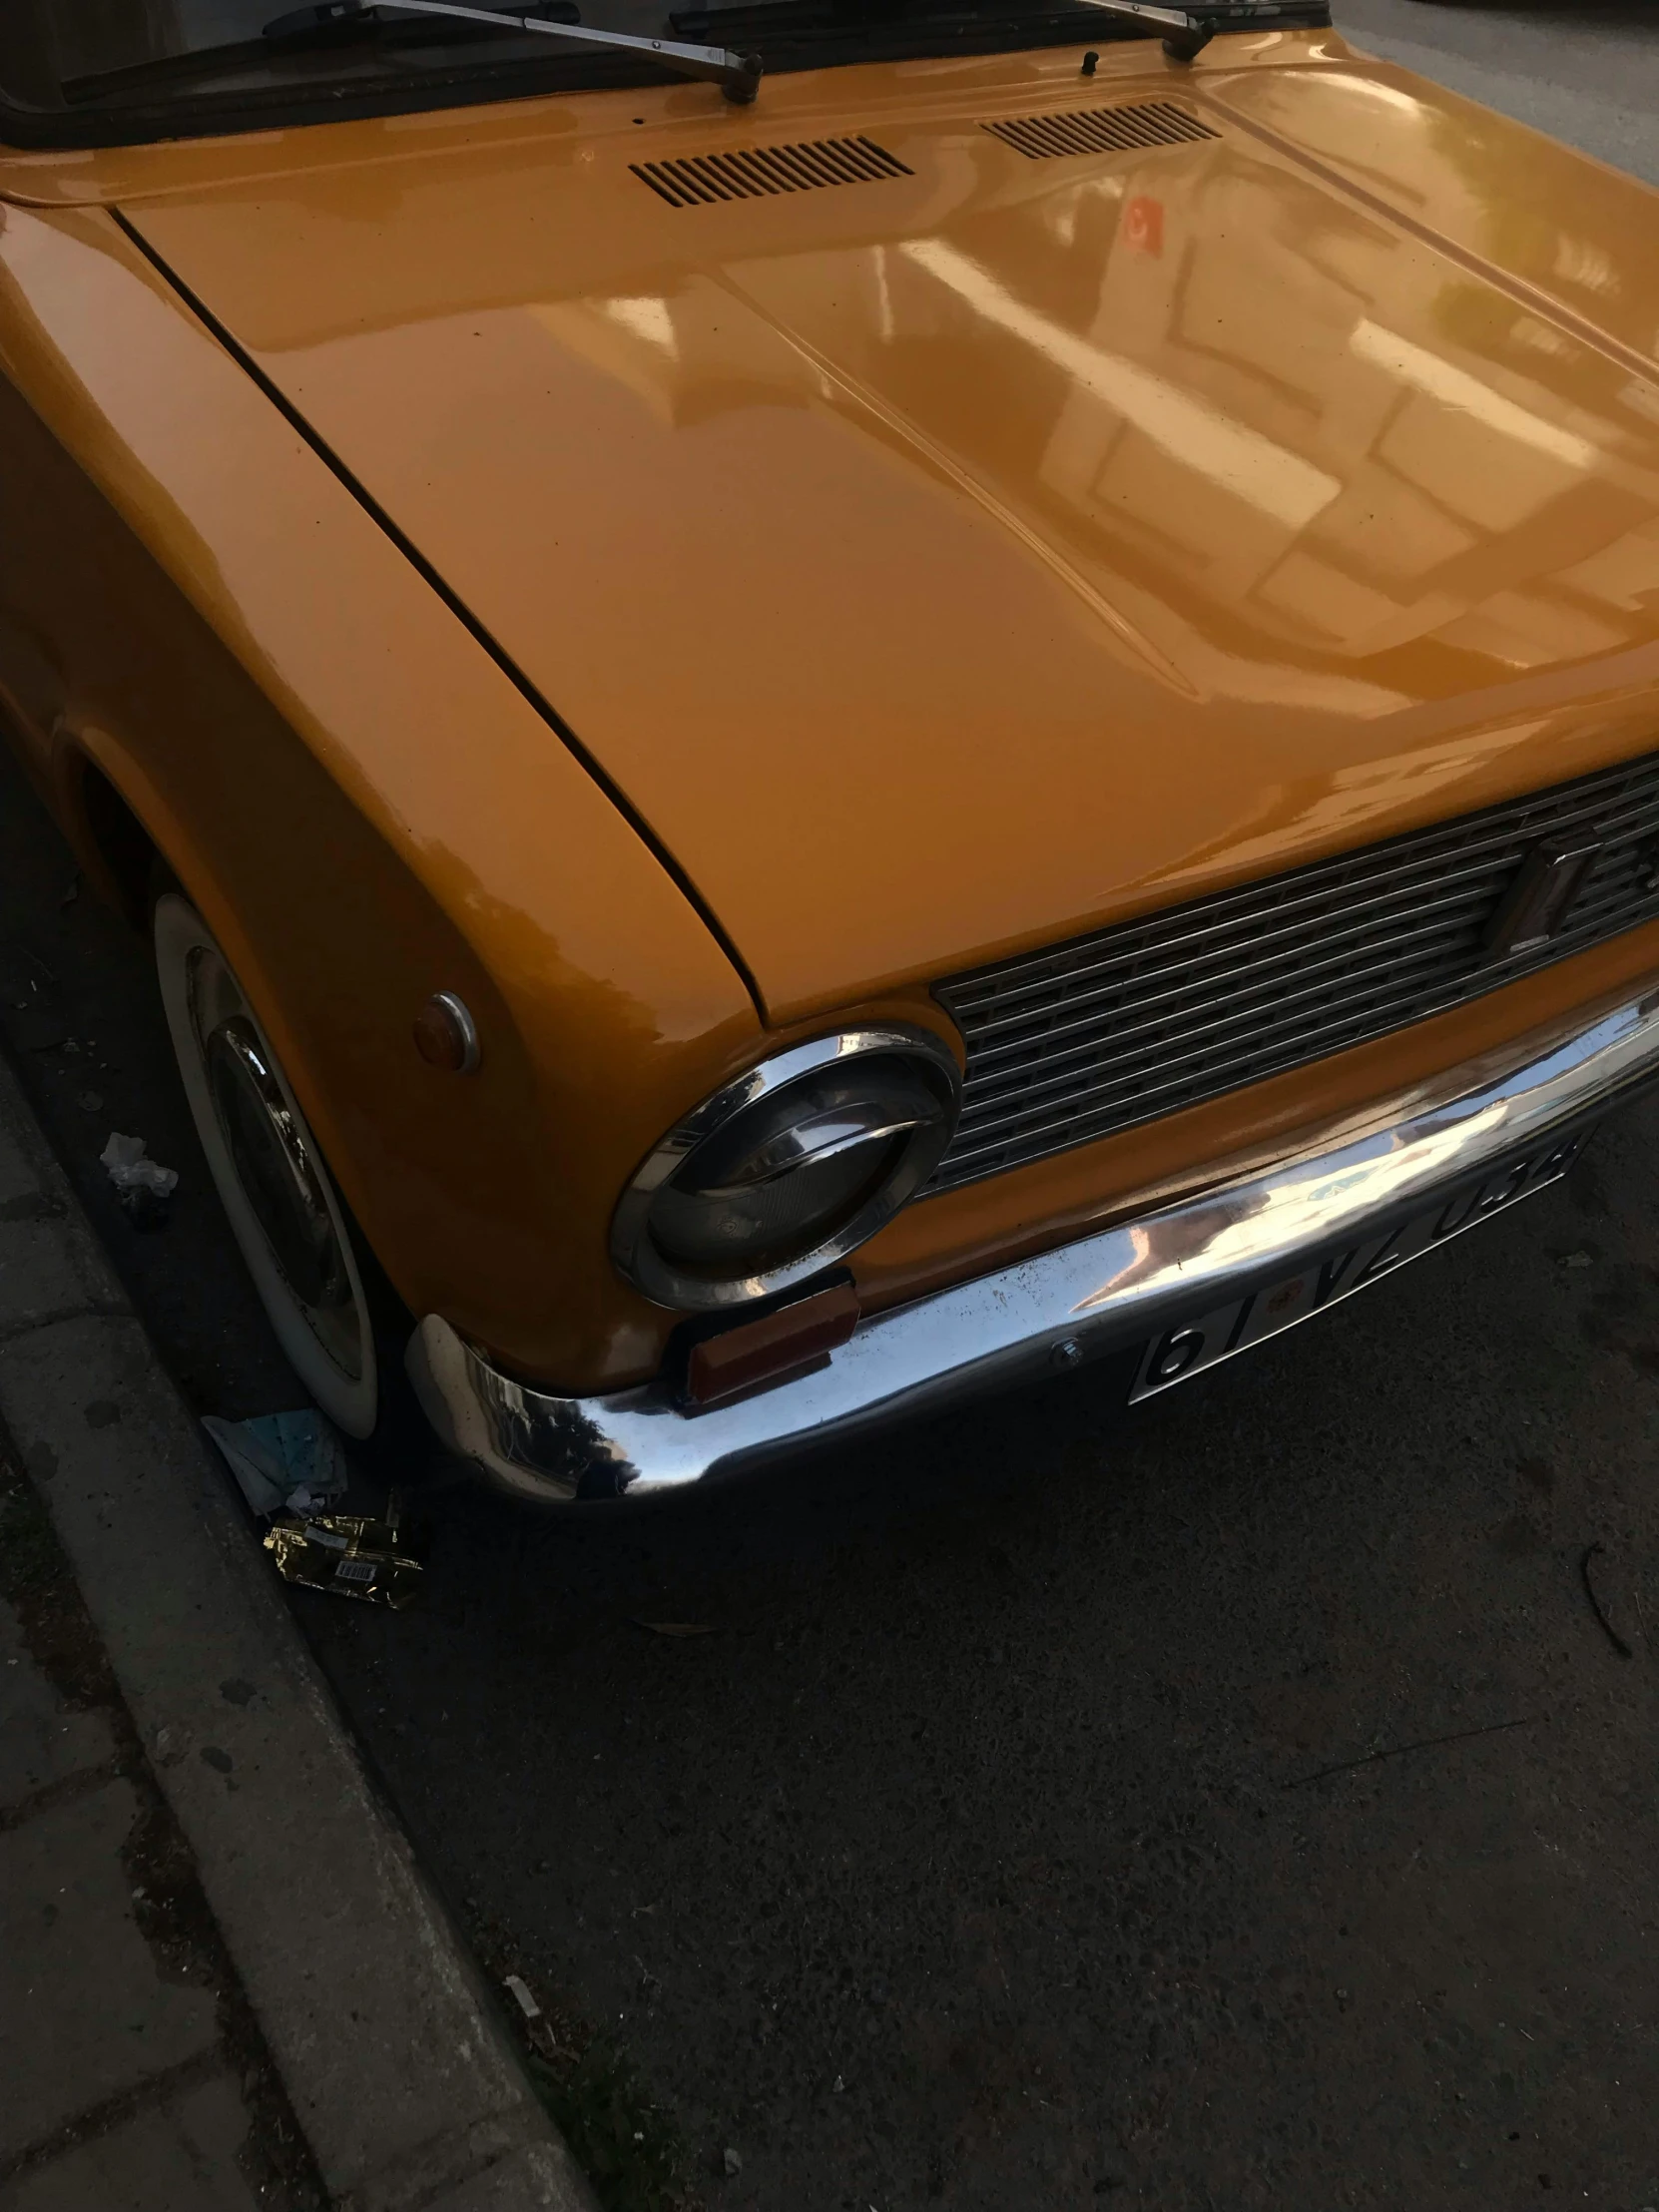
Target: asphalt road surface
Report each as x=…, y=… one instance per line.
x=1061, y=1808
x=1586, y=70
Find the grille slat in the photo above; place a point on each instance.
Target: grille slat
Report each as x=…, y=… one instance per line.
x=1227, y=1009
x=1312, y=887
x=1219, y=961
x=1194, y=1039
x=758, y=171
x=1242, y=917
x=1173, y=1008
x=1354, y=1026
x=1119, y=130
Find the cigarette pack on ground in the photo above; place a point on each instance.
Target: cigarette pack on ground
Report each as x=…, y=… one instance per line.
x=348, y=1554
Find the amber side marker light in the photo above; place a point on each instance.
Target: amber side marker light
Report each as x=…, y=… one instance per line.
x=755, y=1353
x=445, y=1035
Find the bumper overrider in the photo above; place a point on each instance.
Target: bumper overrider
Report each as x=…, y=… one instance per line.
x=1188, y=1282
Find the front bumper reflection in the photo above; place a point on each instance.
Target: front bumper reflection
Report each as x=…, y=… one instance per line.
x=1119, y=1288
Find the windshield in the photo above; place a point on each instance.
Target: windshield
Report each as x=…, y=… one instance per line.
x=108, y=71
x=102, y=71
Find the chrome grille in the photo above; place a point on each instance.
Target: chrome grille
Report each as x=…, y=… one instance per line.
x=1163, y=1012
x=1101, y=130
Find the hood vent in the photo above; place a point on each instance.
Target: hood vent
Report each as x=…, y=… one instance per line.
x=755, y=171
x=1101, y=130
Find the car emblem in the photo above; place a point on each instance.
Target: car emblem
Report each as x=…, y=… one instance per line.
x=1537, y=906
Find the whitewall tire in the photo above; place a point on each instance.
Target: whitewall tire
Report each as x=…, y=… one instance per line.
x=281, y=1205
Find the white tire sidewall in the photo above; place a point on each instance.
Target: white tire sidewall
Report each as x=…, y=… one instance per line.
x=351, y=1402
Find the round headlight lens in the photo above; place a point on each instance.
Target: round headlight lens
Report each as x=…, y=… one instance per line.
x=789, y=1169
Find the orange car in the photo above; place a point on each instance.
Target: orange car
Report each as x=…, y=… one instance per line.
x=820, y=705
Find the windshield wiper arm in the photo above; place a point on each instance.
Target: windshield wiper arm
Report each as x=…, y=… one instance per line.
x=338, y=22
x=1191, y=29
x=738, y=75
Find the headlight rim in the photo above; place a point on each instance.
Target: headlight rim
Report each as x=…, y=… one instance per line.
x=636, y=1257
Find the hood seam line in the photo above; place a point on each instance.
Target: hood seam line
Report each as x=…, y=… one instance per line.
x=475, y=629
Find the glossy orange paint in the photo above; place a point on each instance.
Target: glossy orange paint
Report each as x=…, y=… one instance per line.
x=938, y=566
x=197, y=606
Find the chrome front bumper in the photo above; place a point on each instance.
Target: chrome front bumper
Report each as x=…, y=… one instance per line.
x=1120, y=1286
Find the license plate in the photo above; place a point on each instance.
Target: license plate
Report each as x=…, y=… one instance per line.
x=1202, y=1341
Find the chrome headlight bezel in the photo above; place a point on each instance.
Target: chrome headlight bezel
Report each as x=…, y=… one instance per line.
x=640, y=1260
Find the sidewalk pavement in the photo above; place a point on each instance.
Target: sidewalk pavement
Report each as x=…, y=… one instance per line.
x=132, y=2072
x=223, y=1981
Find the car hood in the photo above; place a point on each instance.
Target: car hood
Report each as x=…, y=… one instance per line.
x=1001, y=540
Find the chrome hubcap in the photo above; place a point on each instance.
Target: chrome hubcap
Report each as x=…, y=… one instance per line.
x=279, y=1179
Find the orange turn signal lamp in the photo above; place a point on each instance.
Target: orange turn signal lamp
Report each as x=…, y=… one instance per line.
x=753, y=1353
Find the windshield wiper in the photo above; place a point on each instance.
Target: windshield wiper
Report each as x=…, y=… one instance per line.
x=1190, y=30
x=340, y=22
x=738, y=75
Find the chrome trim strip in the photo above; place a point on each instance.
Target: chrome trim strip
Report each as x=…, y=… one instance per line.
x=1116, y=1287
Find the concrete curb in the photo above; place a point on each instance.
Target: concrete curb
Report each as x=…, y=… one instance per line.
x=401, y=2072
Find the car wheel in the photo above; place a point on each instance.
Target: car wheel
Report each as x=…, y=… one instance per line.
x=283, y=1210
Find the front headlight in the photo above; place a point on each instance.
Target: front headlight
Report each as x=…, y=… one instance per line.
x=789, y=1169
